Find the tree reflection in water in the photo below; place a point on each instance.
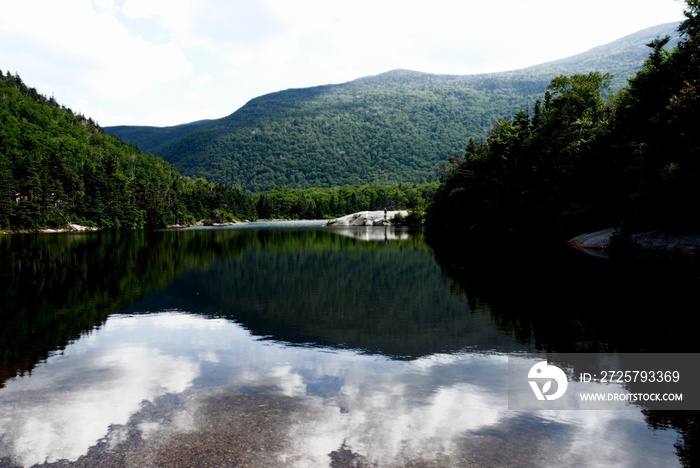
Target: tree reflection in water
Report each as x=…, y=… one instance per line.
x=59, y=287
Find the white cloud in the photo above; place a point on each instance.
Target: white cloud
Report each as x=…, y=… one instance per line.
x=174, y=16
x=164, y=62
x=85, y=56
x=43, y=424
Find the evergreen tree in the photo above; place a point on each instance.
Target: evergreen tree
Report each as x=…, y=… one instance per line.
x=585, y=163
x=57, y=167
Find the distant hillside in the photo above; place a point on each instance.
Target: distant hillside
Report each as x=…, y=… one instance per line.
x=394, y=127
x=148, y=139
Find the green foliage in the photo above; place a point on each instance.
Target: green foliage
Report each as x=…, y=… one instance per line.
x=57, y=168
x=326, y=203
x=396, y=127
x=152, y=137
x=582, y=162
x=531, y=174
x=656, y=131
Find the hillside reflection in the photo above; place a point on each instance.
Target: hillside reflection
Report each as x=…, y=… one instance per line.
x=324, y=288
x=565, y=301
x=389, y=294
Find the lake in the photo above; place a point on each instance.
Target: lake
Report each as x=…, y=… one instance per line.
x=292, y=344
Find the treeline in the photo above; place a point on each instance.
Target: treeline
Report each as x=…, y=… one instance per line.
x=322, y=203
x=576, y=162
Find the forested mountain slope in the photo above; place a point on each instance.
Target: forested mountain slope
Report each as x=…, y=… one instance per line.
x=581, y=162
x=394, y=127
x=58, y=167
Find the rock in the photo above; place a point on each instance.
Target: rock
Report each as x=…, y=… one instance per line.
x=77, y=227
x=652, y=241
x=599, y=240
x=367, y=218
x=71, y=227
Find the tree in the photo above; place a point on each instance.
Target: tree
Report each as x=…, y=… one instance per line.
x=657, y=130
x=525, y=176
x=57, y=167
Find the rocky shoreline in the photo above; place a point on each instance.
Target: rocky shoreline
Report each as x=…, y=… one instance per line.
x=601, y=242
x=71, y=227
x=597, y=243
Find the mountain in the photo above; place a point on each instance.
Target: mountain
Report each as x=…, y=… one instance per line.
x=395, y=127
x=581, y=164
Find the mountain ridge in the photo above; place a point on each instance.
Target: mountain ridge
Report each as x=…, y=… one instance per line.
x=394, y=127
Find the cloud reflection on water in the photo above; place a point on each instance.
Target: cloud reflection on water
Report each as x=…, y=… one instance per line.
x=68, y=403
x=449, y=408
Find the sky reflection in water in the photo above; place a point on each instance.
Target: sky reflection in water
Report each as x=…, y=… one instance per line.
x=444, y=407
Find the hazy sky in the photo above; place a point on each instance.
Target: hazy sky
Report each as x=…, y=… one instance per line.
x=166, y=62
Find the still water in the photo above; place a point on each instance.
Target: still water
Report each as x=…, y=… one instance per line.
x=297, y=345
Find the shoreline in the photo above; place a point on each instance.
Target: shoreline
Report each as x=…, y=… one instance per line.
x=72, y=227
x=598, y=243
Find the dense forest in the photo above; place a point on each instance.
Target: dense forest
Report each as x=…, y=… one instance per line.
x=396, y=127
x=582, y=159
x=57, y=168
x=321, y=203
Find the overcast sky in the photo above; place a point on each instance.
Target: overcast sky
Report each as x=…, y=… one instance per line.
x=166, y=62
